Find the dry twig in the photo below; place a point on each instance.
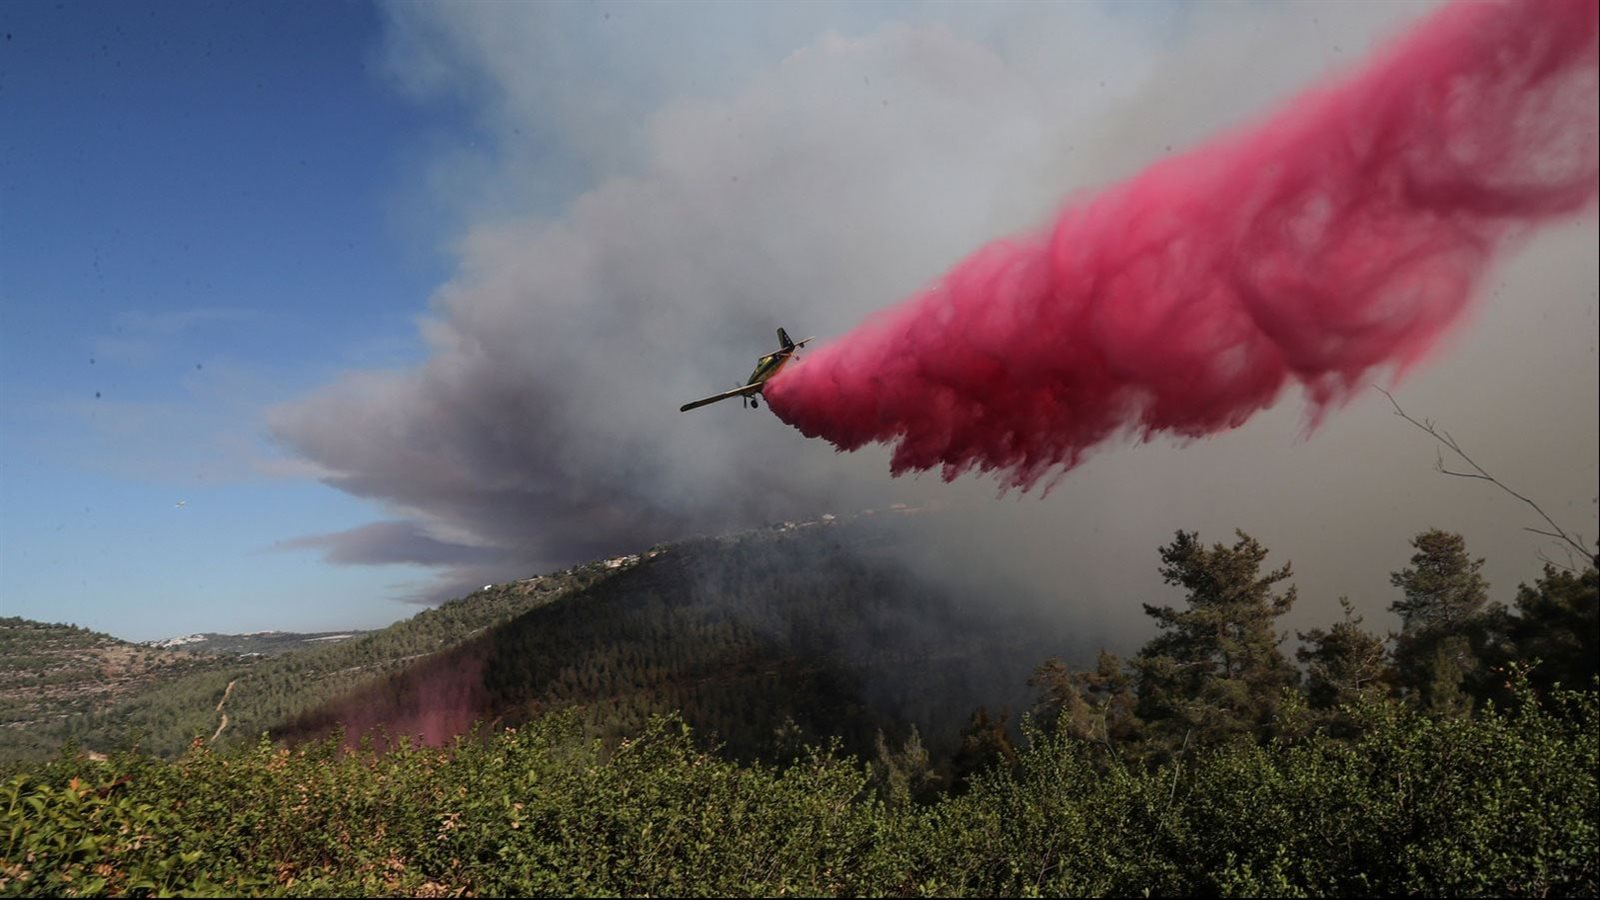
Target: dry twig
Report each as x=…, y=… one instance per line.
x=1478, y=472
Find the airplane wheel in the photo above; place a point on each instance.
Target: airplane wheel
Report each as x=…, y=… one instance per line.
x=754, y=405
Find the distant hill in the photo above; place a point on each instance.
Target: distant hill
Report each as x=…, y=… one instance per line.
x=164, y=715
x=54, y=677
x=50, y=673
x=255, y=643
x=763, y=640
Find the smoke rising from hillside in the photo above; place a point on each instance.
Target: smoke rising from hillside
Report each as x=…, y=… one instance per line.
x=721, y=171
x=1341, y=236
x=544, y=423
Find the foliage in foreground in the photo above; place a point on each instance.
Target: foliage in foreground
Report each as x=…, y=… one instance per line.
x=1499, y=804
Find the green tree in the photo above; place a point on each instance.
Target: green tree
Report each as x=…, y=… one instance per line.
x=1444, y=622
x=984, y=745
x=1344, y=663
x=1556, y=624
x=1346, y=666
x=1443, y=587
x=905, y=775
x=1089, y=705
x=1215, y=670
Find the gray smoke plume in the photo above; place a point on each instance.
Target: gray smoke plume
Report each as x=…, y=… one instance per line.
x=656, y=188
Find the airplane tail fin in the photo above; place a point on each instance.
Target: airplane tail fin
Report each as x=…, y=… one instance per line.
x=783, y=339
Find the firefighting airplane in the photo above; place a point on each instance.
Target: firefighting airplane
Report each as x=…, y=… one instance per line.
x=769, y=366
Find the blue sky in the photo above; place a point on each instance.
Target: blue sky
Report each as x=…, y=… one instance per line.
x=309, y=311
x=203, y=211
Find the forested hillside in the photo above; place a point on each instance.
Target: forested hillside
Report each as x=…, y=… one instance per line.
x=51, y=673
x=762, y=641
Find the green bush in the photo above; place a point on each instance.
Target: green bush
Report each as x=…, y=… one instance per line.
x=1499, y=804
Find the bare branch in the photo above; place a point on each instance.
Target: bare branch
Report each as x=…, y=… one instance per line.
x=1443, y=471
x=1447, y=440
x=1570, y=565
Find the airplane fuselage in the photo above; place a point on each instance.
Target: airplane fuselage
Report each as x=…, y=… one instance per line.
x=766, y=367
x=769, y=366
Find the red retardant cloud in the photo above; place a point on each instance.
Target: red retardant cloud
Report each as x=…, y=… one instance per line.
x=1342, y=235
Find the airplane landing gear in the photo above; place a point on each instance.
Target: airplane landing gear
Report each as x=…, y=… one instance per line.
x=754, y=405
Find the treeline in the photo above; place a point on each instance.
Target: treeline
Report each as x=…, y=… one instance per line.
x=1216, y=670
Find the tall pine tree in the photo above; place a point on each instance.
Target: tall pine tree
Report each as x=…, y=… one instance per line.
x=1443, y=622
x=1215, y=671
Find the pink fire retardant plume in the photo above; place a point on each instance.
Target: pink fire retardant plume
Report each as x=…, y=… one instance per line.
x=1343, y=235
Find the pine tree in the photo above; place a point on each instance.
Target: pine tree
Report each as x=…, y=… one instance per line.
x=1557, y=625
x=1345, y=663
x=984, y=744
x=1444, y=622
x=1216, y=669
x=1095, y=706
x=905, y=775
x=1443, y=587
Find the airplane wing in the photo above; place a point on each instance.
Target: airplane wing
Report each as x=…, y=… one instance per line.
x=745, y=391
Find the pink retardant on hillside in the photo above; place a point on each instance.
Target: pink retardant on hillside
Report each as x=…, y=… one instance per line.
x=1341, y=236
